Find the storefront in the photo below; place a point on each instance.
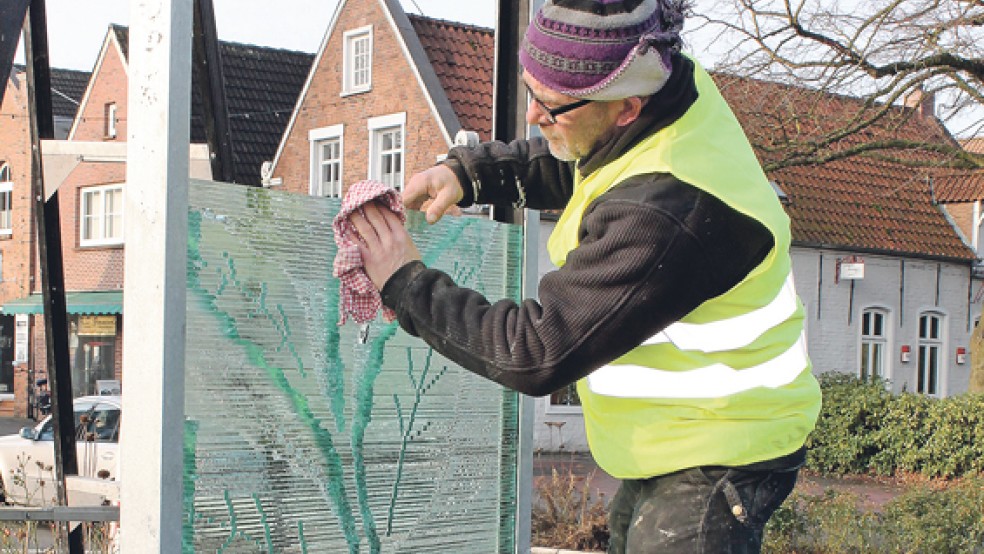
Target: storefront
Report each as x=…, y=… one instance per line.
x=94, y=339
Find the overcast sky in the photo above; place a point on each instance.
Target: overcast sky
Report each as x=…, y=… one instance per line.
x=76, y=28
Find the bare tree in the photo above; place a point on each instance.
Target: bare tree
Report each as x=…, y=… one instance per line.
x=882, y=54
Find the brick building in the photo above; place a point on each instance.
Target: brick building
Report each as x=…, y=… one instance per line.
x=18, y=247
x=89, y=169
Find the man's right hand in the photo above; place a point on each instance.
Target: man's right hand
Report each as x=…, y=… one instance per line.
x=435, y=191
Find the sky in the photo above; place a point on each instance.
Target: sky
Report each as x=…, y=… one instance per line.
x=77, y=28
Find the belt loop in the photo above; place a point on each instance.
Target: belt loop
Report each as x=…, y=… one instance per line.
x=734, y=499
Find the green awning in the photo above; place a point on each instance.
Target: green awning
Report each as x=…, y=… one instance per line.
x=101, y=302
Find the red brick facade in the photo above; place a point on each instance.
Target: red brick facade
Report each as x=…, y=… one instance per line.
x=395, y=89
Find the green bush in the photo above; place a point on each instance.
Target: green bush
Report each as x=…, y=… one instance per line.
x=926, y=520
x=864, y=429
x=852, y=412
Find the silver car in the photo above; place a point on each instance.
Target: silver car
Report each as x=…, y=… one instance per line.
x=27, y=474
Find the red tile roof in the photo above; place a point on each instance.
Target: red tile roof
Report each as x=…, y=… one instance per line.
x=877, y=201
x=966, y=186
x=975, y=144
x=463, y=56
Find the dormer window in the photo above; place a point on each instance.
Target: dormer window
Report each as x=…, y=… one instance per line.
x=357, y=68
x=110, y=115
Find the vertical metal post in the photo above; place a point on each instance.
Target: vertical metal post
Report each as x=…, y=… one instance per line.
x=155, y=229
x=509, y=123
x=50, y=254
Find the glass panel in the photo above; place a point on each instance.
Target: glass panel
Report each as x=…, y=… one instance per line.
x=877, y=360
x=866, y=324
x=303, y=436
x=879, y=322
x=923, y=333
x=921, y=384
x=865, y=360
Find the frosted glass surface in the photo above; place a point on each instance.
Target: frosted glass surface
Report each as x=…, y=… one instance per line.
x=303, y=436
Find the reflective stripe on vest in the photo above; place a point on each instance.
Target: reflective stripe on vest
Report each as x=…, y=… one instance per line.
x=732, y=333
x=713, y=381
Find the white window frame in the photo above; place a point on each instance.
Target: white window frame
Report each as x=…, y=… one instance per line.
x=929, y=348
x=99, y=194
x=356, y=63
x=561, y=409
x=378, y=127
x=876, y=343
x=317, y=138
x=110, y=113
x=6, y=200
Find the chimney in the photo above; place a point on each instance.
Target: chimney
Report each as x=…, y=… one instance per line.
x=923, y=102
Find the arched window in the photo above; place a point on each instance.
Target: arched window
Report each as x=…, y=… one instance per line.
x=930, y=353
x=874, y=344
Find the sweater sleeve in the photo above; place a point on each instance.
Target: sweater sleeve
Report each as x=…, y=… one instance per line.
x=650, y=251
x=521, y=173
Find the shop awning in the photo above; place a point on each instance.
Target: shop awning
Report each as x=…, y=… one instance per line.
x=101, y=302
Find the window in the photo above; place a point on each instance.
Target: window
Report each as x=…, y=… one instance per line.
x=357, y=68
x=6, y=200
x=386, y=149
x=566, y=396
x=326, y=161
x=110, y=115
x=101, y=216
x=873, y=344
x=930, y=353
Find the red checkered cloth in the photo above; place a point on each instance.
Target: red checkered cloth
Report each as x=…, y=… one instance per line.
x=359, y=297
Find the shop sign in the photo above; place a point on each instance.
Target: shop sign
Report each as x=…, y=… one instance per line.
x=21, y=337
x=97, y=325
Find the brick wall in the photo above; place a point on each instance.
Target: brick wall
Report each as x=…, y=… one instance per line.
x=395, y=89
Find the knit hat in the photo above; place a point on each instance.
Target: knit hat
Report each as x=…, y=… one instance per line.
x=603, y=49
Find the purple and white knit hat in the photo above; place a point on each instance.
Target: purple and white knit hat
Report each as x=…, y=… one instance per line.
x=603, y=49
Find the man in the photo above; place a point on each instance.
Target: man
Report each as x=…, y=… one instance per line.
x=673, y=307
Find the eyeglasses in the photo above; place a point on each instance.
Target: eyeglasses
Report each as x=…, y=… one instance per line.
x=552, y=113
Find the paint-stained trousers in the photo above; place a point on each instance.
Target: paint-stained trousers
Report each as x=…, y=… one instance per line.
x=705, y=510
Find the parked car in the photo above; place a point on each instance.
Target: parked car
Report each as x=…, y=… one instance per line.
x=27, y=474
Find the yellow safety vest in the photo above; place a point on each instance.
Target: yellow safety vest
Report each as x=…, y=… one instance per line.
x=731, y=382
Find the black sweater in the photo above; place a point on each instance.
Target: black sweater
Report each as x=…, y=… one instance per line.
x=651, y=249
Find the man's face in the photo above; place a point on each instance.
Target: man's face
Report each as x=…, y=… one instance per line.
x=576, y=132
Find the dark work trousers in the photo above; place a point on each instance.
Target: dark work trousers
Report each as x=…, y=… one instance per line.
x=704, y=510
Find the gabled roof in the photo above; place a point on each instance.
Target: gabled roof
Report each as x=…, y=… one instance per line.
x=262, y=85
x=67, y=88
x=876, y=201
x=463, y=57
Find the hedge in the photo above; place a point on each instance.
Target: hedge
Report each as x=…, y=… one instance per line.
x=865, y=429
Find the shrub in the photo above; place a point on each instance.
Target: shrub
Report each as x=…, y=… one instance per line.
x=843, y=441
x=928, y=519
x=566, y=516
x=863, y=429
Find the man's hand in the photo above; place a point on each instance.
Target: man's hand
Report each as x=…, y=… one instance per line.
x=383, y=242
x=435, y=191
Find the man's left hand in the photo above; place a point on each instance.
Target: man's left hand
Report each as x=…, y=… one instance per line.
x=385, y=245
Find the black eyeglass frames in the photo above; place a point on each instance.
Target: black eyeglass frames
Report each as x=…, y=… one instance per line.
x=552, y=113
